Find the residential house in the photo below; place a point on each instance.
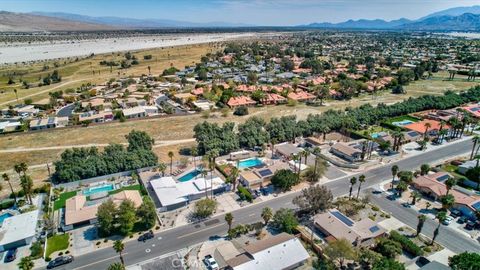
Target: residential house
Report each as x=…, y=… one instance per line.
x=272, y=98
x=49, y=122
x=240, y=101
x=421, y=127
x=95, y=117
x=335, y=225
x=346, y=151
x=134, y=112
x=287, y=150
x=18, y=230
x=301, y=96
x=9, y=126
x=280, y=252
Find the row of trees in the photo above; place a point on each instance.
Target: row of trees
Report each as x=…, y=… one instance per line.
x=80, y=163
x=256, y=132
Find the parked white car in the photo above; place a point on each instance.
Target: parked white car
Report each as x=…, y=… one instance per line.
x=210, y=262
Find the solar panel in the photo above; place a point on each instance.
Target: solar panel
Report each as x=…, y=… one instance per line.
x=443, y=178
x=412, y=133
x=374, y=229
x=265, y=172
x=51, y=120
x=342, y=218
x=474, y=109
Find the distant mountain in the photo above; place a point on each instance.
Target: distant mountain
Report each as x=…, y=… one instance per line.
x=10, y=21
x=362, y=24
x=134, y=23
x=464, y=22
x=454, y=12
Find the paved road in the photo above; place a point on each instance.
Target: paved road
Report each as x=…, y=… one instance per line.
x=188, y=235
x=447, y=237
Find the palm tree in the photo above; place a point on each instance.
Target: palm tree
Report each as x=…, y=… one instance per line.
x=119, y=246
x=26, y=263
x=305, y=154
x=447, y=201
x=170, y=155
x=427, y=127
x=421, y=222
x=204, y=174
x=449, y=183
x=427, y=205
x=229, y=220
x=194, y=153
x=116, y=266
x=26, y=183
x=361, y=179
x=234, y=177
x=441, y=216
x=353, y=181
x=162, y=168
x=424, y=169
x=415, y=196
x=267, y=214
x=16, y=94
x=6, y=178
x=475, y=140
x=394, y=173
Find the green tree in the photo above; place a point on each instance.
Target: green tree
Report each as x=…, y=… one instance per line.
x=119, y=247
x=394, y=173
x=387, y=263
x=26, y=263
x=353, y=181
x=162, y=168
x=401, y=187
x=170, y=156
x=139, y=140
x=6, y=178
x=421, y=221
x=285, y=179
x=252, y=133
x=450, y=183
x=361, y=179
x=441, y=216
x=447, y=201
x=313, y=174
x=465, y=261
x=26, y=183
x=146, y=213
x=205, y=208
x=267, y=214
x=229, y=220
x=116, y=266
x=341, y=250
x=388, y=248
x=314, y=199
x=126, y=216
x=285, y=220
x=106, y=218
x=424, y=169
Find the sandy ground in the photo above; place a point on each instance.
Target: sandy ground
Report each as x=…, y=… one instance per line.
x=41, y=51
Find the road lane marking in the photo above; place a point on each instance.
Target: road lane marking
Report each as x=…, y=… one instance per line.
x=251, y=215
x=195, y=232
x=93, y=263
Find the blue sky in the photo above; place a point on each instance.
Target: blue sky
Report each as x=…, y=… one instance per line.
x=258, y=12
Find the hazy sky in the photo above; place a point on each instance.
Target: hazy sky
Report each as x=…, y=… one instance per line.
x=258, y=12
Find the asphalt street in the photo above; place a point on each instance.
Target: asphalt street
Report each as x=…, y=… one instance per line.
x=191, y=234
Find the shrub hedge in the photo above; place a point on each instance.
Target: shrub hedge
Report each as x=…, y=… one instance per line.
x=407, y=244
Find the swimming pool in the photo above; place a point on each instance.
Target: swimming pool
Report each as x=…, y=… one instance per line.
x=189, y=176
x=250, y=162
x=96, y=189
x=4, y=216
x=374, y=135
x=402, y=123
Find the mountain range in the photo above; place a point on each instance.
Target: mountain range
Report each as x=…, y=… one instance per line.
x=453, y=19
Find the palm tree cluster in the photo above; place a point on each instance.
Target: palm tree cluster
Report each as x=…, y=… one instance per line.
x=353, y=181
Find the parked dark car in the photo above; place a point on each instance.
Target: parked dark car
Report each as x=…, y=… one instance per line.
x=421, y=261
x=406, y=205
x=11, y=255
x=470, y=225
x=62, y=260
x=455, y=213
x=392, y=197
x=462, y=220
x=146, y=236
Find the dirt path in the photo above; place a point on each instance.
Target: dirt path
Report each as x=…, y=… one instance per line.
x=157, y=144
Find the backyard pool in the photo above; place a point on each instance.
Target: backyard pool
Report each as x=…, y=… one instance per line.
x=402, y=123
x=251, y=162
x=4, y=216
x=96, y=189
x=189, y=176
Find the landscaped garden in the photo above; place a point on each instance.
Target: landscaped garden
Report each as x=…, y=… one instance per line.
x=60, y=202
x=56, y=243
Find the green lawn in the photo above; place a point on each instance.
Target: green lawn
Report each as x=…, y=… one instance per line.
x=60, y=202
x=56, y=243
x=132, y=187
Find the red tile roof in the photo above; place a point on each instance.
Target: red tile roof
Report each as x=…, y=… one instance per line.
x=240, y=101
x=300, y=95
x=420, y=126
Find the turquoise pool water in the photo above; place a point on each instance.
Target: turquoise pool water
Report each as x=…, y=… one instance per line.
x=189, y=176
x=402, y=123
x=93, y=190
x=4, y=216
x=374, y=135
x=251, y=162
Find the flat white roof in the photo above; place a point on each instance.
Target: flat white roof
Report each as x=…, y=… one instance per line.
x=133, y=111
x=169, y=192
x=18, y=227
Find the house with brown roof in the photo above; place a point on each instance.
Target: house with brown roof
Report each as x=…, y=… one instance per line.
x=434, y=187
x=421, y=128
x=279, y=252
x=346, y=151
x=334, y=225
x=272, y=98
x=80, y=211
x=301, y=96
x=240, y=101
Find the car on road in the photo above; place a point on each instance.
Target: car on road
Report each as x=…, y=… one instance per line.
x=406, y=205
x=377, y=190
x=210, y=262
x=392, y=197
x=62, y=260
x=11, y=255
x=146, y=236
x=447, y=220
